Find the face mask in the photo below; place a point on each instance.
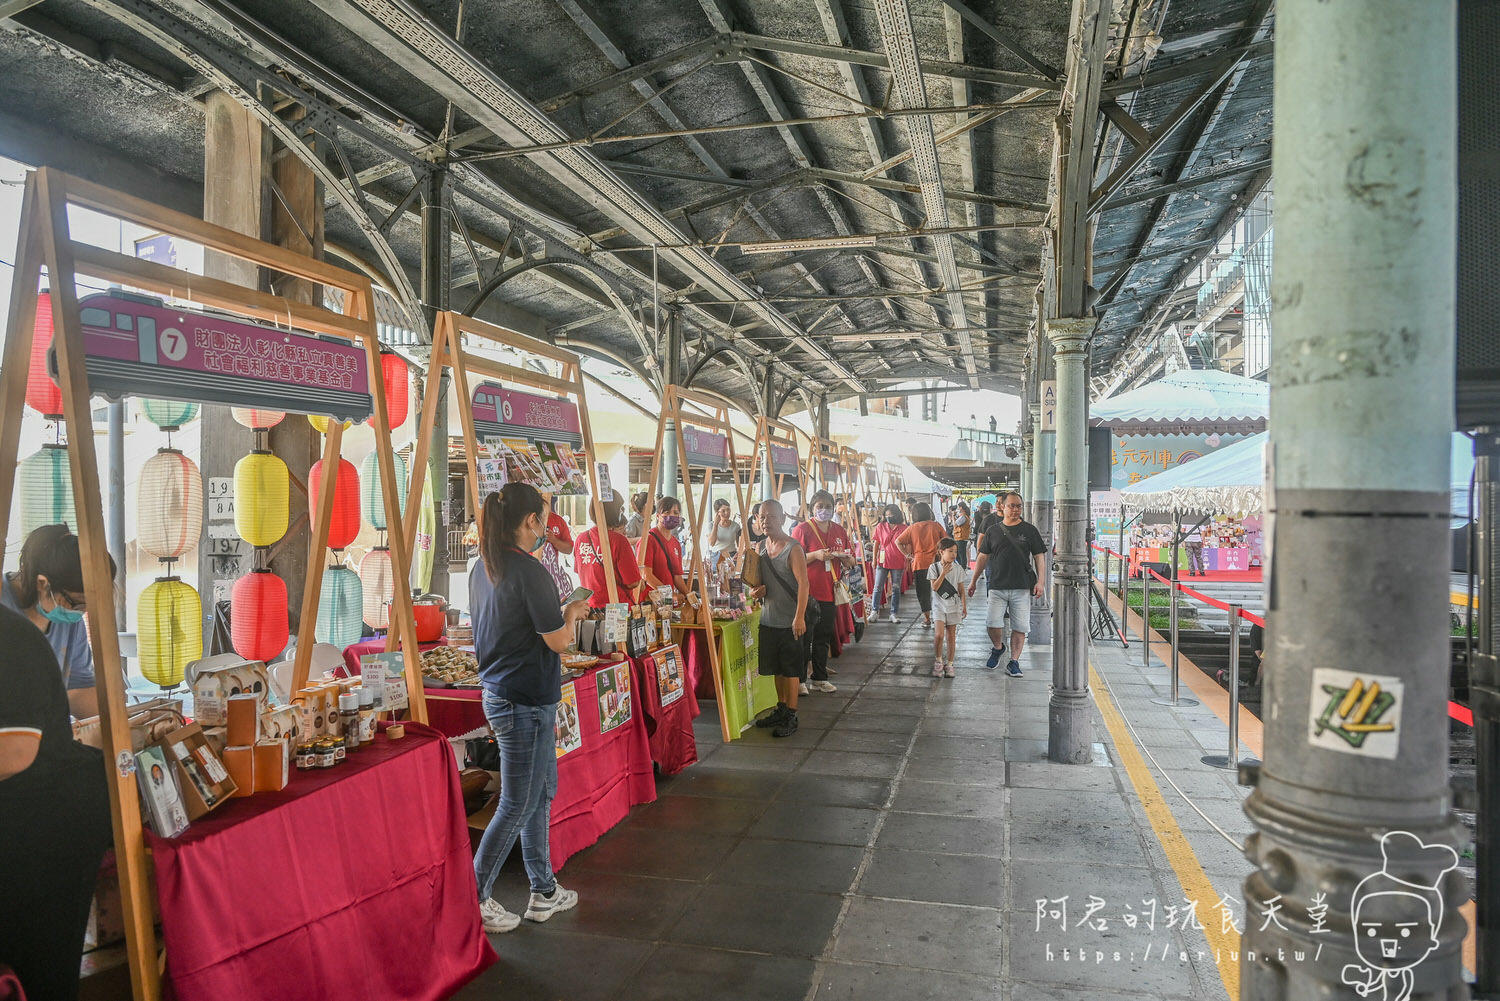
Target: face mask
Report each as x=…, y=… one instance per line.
x=62, y=616
x=538, y=543
x=823, y=514
x=671, y=522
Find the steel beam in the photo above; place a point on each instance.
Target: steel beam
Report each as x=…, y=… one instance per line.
x=901, y=44
x=427, y=52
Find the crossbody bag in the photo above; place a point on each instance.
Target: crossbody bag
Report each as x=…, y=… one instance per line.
x=814, y=611
x=841, y=594
x=1025, y=560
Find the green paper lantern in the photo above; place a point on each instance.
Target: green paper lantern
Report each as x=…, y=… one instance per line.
x=371, y=500
x=46, y=488
x=169, y=415
x=340, y=608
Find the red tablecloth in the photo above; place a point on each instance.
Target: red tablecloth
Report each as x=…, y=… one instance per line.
x=843, y=628
x=597, y=784
x=315, y=891
x=669, y=728
x=354, y=651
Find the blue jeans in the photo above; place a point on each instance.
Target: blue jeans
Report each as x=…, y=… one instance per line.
x=881, y=573
x=527, y=736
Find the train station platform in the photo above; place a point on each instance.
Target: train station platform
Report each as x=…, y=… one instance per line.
x=912, y=840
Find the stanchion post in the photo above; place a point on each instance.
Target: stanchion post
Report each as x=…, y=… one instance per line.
x=1145, y=617
x=1232, y=759
x=1175, y=700
x=1172, y=616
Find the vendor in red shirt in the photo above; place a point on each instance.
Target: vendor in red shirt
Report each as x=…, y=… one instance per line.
x=559, y=542
x=828, y=556
x=660, y=552
x=589, y=562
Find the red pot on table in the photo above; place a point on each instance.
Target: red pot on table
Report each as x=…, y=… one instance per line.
x=430, y=621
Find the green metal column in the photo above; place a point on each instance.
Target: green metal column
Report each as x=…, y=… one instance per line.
x=1354, y=828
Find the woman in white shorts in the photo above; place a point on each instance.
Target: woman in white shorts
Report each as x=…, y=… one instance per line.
x=950, y=604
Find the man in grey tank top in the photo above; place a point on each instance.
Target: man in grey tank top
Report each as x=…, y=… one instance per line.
x=783, y=618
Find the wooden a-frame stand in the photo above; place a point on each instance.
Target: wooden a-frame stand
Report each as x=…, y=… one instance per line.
x=448, y=353
x=46, y=242
x=715, y=420
x=769, y=433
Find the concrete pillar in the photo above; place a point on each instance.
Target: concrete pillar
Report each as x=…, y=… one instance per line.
x=296, y=222
x=239, y=168
x=236, y=173
x=1357, y=588
x=436, y=278
x=1069, y=730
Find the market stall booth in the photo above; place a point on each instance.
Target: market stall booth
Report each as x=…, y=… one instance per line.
x=1172, y=421
x=1225, y=492
x=716, y=624
x=239, y=800
x=618, y=714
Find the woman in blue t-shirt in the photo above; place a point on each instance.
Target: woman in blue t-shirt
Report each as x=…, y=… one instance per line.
x=517, y=638
x=48, y=590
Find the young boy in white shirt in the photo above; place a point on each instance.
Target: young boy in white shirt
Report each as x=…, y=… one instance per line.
x=950, y=604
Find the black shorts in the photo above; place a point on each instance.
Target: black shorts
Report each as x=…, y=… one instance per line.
x=781, y=653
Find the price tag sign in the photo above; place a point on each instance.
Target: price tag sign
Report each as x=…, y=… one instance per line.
x=616, y=622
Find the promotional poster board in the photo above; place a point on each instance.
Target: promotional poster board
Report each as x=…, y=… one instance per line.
x=509, y=431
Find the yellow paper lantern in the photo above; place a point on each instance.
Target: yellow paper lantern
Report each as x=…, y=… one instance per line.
x=378, y=580
x=262, y=498
x=321, y=423
x=170, y=502
x=169, y=630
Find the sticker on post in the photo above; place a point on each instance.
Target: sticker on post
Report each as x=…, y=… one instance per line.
x=1356, y=713
x=125, y=764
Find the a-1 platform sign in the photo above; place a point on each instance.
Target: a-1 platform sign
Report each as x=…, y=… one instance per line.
x=1049, y=405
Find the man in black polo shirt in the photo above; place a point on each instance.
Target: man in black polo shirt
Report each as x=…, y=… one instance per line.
x=1013, y=551
x=54, y=817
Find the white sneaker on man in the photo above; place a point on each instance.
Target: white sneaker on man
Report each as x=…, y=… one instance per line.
x=497, y=920
x=893, y=620
x=822, y=686
x=541, y=907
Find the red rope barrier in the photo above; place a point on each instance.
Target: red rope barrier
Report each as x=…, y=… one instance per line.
x=1459, y=712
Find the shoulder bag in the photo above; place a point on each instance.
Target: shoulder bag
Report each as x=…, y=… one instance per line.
x=1025, y=560
x=814, y=611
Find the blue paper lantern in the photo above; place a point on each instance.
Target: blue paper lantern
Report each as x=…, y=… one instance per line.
x=340, y=608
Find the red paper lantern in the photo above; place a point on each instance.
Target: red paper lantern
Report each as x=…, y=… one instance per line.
x=397, y=388
x=259, y=628
x=344, y=525
x=42, y=394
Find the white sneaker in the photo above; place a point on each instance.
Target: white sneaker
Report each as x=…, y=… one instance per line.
x=803, y=688
x=893, y=620
x=540, y=908
x=822, y=686
x=497, y=920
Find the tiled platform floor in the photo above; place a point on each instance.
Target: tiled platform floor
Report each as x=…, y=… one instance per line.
x=895, y=847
